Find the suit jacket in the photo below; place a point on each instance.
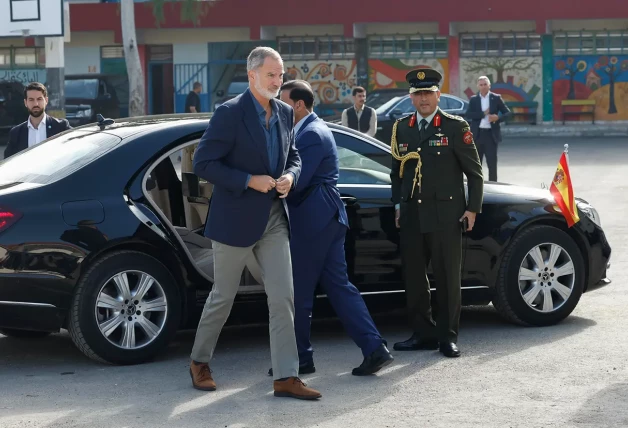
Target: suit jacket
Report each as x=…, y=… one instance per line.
x=447, y=151
x=18, y=136
x=232, y=147
x=475, y=114
x=316, y=198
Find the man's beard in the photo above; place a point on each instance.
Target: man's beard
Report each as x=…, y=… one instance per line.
x=265, y=92
x=37, y=113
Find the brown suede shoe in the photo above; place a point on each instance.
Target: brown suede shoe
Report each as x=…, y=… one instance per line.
x=295, y=388
x=201, y=377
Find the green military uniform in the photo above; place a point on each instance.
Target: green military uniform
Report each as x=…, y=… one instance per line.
x=427, y=183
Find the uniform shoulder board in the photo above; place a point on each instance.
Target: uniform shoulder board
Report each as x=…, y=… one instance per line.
x=451, y=116
x=405, y=117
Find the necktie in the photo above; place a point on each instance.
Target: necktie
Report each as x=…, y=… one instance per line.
x=423, y=128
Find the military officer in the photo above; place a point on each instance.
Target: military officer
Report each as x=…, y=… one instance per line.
x=431, y=151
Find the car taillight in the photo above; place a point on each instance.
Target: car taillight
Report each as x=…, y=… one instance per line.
x=8, y=218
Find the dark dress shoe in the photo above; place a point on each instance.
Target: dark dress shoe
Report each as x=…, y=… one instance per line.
x=374, y=362
x=415, y=343
x=306, y=368
x=449, y=349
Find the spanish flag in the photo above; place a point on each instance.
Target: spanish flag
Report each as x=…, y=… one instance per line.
x=562, y=191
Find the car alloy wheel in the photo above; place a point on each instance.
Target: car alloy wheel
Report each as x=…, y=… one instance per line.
x=131, y=309
x=546, y=277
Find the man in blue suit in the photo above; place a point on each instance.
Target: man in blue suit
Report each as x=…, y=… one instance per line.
x=249, y=155
x=319, y=225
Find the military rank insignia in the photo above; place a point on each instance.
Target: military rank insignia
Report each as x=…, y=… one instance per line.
x=412, y=121
x=467, y=137
x=403, y=148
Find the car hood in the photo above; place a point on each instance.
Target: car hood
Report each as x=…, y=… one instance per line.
x=534, y=193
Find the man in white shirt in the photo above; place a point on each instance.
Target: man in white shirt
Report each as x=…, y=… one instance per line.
x=39, y=125
x=485, y=123
x=360, y=116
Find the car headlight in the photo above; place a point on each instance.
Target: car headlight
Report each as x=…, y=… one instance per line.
x=84, y=113
x=590, y=212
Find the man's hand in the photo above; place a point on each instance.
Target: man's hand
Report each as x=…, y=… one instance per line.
x=262, y=183
x=486, y=112
x=284, y=184
x=493, y=118
x=397, y=214
x=471, y=217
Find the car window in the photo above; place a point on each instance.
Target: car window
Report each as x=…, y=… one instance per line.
x=444, y=103
x=56, y=158
x=406, y=106
x=361, y=162
x=388, y=104
x=455, y=104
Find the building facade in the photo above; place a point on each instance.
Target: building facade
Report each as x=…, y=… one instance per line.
x=537, y=55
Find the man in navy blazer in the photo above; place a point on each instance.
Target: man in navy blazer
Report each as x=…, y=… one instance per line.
x=485, y=123
x=39, y=125
x=319, y=225
x=249, y=155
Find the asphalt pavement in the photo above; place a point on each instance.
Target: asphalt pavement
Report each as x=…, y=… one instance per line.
x=573, y=374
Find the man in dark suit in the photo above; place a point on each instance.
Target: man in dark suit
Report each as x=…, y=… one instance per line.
x=432, y=152
x=39, y=125
x=485, y=123
x=319, y=225
x=249, y=155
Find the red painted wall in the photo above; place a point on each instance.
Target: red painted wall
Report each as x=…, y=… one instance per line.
x=247, y=13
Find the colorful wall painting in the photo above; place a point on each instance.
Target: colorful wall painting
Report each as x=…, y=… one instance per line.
x=516, y=79
x=592, y=77
x=331, y=81
x=391, y=73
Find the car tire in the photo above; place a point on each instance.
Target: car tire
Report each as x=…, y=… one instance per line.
x=521, y=264
x=24, y=334
x=139, y=336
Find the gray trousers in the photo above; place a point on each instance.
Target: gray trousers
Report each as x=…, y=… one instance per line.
x=272, y=253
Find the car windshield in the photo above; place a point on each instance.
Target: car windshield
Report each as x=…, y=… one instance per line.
x=236, y=88
x=377, y=98
x=56, y=158
x=382, y=109
x=82, y=88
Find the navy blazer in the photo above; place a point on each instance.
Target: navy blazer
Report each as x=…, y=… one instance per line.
x=475, y=113
x=232, y=147
x=316, y=199
x=18, y=136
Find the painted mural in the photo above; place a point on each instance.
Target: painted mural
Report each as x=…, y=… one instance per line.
x=591, y=77
x=391, y=73
x=516, y=79
x=331, y=81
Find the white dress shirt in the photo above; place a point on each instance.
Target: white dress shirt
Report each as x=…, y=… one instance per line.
x=37, y=135
x=300, y=124
x=485, y=124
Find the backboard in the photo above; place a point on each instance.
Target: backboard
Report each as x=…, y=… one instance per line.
x=31, y=18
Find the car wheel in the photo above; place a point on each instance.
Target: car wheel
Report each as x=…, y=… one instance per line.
x=541, y=277
x=23, y=334
x=125, y=310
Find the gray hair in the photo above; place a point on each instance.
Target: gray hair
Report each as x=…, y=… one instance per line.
x=488, y=81
x=258, y=56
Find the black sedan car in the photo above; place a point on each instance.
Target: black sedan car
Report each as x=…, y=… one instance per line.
x=101, y=233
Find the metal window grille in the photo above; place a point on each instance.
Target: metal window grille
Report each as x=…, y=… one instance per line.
x=500, y=44
x=591, y=42
x=108, y=52
x=407, y=47
x=321, y=47
x=29, y=57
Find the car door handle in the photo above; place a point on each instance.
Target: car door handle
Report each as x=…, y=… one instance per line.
x=349, y=200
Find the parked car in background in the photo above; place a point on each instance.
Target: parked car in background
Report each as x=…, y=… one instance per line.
x=374, y=99
x=122, y=263
x=87, y=95
x=400, y=106
x=238, y=85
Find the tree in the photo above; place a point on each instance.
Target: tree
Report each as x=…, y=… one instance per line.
x=191, y=10
x=570, y=69
x=500, y=65
x=612, y=68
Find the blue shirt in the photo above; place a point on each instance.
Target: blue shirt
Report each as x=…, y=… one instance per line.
x=271, y=134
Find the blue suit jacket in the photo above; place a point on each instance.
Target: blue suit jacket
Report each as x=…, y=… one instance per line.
x=316, y=199
x=232, y=147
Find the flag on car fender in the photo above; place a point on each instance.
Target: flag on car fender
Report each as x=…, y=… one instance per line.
x=562, y=190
